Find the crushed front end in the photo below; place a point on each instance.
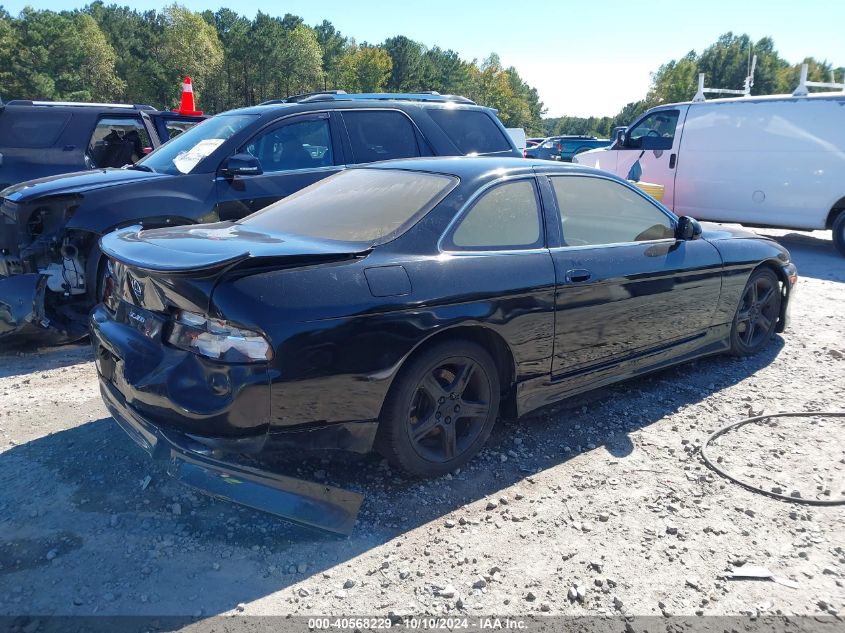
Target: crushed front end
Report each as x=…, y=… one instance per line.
x=42, y=271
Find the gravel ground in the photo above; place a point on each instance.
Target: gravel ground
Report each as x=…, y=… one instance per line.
x=601, y=505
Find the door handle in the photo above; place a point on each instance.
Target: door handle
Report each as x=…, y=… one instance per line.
x=578, y=275
x=68, y=148
x=672, y=159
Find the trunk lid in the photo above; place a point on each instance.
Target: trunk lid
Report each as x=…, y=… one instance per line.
x=178, y=267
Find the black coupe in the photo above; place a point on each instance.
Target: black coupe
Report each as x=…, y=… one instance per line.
x=408, y=304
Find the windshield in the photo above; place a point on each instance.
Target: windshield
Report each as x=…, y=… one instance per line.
x=183, y=153
x=368, y=206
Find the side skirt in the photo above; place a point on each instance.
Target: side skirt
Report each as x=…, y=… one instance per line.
x=540, y=392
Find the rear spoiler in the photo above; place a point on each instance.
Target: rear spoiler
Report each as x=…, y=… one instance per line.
x=136, y=253
x=127, y=247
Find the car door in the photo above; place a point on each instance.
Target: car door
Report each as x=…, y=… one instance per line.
x=499, y=263
x=649, y=150
x=624, y=283
x=293, y=153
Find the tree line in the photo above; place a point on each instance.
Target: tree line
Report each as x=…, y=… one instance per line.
x=725, y=65
x=116, y=53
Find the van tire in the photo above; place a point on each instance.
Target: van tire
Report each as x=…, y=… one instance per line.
x=839, y=232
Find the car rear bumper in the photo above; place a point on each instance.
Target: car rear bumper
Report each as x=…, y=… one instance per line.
x=194, y=464
x=225, y=406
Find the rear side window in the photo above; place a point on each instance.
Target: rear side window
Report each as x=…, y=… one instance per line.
x=380, y=135
x=472, y=131
x=117, y=142
x=367, y=206
x=33, y=128
x=504, y=217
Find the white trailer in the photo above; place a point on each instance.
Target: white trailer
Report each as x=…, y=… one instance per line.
x=775, y=161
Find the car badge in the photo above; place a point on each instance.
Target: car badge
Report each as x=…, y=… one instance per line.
x=137, y=289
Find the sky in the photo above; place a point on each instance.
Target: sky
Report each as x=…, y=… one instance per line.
x=584, y=58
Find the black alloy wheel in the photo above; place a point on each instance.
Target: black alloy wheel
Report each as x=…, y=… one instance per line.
x=441, y=409
x=757, y=314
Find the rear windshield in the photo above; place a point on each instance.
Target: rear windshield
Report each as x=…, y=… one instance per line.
x=183, y=153
x=472, y=131
x=367, y=206
x=34, y=128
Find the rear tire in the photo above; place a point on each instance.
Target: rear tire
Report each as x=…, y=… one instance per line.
x=440, y=409
x=839, y=232
x=757, y=313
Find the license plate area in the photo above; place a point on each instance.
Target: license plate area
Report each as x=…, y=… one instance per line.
x=141, y=320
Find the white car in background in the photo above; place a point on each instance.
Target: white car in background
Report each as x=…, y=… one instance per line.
x=776, y=161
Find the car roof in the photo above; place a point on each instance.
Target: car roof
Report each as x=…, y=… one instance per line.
x=273, y=108
x=77, y=106
x=470, y=167
x=753, y=99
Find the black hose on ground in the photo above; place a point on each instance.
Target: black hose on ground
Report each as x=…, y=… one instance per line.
x=727, y=475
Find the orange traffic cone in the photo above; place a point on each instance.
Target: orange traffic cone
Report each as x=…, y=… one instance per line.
x=187, y=105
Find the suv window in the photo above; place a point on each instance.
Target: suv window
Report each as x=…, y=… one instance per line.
x=380, y=135
x=472, y=131
x=600, y=211
x=175, y=127
x=656, y=131
x=117, y=141
x=38, y=127
x=506, y=216
x=296, y=145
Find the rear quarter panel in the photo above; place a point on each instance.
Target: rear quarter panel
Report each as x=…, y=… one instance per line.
x=338, y=347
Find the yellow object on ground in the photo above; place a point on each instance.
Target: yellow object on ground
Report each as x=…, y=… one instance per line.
x=655, y=191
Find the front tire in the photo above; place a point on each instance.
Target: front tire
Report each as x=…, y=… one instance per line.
x=757, y=313
x=839, y=232
x=440, y=409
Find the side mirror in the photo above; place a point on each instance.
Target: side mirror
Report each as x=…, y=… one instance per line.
x=687, y=228
x=242, y=165
x=619, y=139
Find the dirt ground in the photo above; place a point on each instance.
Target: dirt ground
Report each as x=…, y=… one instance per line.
x=596, y=506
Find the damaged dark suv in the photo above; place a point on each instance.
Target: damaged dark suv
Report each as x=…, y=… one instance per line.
x=51, y=269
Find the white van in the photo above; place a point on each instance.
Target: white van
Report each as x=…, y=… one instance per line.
x=774, y=161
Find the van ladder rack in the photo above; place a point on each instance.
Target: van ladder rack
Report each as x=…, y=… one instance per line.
x=803, y=84
x=746, y=90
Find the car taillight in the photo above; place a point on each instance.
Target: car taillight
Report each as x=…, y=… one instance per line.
x=559, y=147
x=525, y=153
x=218, y=339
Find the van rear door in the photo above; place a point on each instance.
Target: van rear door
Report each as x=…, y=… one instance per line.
x=650, y=150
